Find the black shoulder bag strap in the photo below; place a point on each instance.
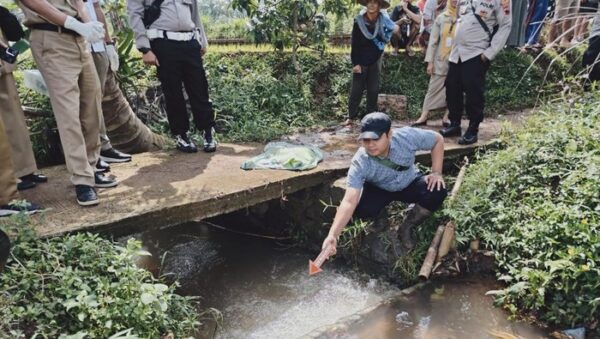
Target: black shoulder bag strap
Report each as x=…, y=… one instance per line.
x=152, y=13
x=389, y=164
x=483, y=25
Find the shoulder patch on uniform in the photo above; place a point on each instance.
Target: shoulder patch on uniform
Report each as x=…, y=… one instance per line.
x=505, y=6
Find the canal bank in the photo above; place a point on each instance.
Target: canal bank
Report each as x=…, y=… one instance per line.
x=159, y=189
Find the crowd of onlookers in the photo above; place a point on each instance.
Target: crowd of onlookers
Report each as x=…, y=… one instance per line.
x=459, y=39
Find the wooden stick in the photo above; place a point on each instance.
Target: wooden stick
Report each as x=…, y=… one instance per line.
x=446, y=242
x=459, y=179
x=431, y=254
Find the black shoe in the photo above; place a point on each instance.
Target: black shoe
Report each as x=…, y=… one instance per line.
x=102, y=167
x=39, y=178
x=103, y=182
x=25, y=185
x=112, y=155
x=210, y=143
x=86, y=195
x=470, y=137
x=184, y=144
x=19, y=206
x=451, y=131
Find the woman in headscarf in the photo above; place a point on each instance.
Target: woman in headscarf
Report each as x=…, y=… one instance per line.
x=440, y=46
x=372, y=30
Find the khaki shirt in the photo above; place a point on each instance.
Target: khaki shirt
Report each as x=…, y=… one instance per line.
x=471, y=39
x=175, y=16
x=440, y=63
x=65, y=6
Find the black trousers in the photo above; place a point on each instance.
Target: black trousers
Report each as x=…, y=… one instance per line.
x=369, y=79
x=590, y=58
x=374, y=199
x=465, y=88
x=181, y=64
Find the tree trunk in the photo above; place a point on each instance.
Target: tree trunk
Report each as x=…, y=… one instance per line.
x=125, y=130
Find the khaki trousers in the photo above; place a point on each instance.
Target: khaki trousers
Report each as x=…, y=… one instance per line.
x=102, y=68
x=16, y=129
x=68, y=69
x=8, y=181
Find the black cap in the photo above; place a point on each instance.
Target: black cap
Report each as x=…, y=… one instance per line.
x=373, y=125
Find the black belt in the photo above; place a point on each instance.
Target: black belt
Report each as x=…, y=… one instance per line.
x=53, y=28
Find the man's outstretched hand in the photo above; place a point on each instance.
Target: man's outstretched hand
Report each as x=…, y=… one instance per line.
x=330, y=242
x=435, y=181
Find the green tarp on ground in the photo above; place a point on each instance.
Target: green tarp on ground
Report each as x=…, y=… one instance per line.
x=283, y=155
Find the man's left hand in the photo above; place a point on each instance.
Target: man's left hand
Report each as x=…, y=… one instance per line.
x=113, y=57
x=202, y=51
x=435, y=181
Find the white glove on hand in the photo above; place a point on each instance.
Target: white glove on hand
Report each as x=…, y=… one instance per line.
x=113, y=57
x=91, y=31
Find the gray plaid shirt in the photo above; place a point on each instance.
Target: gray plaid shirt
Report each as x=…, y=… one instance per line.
x=406, y=142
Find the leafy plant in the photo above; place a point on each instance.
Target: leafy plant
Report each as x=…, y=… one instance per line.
x=536, y=204
x=85, y=286
x=292, y=23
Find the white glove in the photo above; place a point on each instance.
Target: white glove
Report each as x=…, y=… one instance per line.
x=91, y=31
x=113, y=57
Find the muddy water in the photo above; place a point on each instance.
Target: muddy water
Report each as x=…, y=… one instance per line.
x=440, y=310
x=264, y=291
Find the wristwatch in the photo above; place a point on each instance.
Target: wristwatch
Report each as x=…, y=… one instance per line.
x=144, y=50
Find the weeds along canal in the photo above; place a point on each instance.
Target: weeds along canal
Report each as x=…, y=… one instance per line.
x=262, y=288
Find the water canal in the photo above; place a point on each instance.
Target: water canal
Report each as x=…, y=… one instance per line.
x=263, y=291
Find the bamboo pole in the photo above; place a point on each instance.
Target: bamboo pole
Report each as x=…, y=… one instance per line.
x=459, y=180
x=446, y=242
x=431, y=253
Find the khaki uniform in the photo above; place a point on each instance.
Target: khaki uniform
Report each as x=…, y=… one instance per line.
x=14, y=120
x=8, y=181
x=68, y=70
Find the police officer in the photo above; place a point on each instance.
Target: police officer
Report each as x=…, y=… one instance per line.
x=175, y=43
x=59, y=30
x=482, y=30
x=12, y=112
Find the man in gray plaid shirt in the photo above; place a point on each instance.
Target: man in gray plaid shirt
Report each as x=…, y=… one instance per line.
x=383, y=170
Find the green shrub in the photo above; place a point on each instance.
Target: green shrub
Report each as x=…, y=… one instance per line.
x=259, y=97
x=536, y=204
x=83, y=284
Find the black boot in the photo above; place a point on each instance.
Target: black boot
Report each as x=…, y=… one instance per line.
x=451, y=131
x=414, y=217
x=470, y=136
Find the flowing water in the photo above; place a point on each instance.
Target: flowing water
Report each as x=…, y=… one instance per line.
x=264, y=291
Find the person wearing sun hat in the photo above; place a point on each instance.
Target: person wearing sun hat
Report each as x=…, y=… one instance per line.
x=383, y=170
x=372, y=30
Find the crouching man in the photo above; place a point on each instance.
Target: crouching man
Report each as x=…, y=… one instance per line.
x=383, y=170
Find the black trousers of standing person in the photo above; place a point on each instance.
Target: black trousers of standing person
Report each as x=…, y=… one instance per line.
x=590, y=58
x=181, y=64
x=465, y=88
x=369, y=79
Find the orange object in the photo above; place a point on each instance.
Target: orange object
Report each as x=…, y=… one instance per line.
x=314, y=267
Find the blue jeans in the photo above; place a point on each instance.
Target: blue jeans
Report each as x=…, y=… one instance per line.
x=537, y=13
